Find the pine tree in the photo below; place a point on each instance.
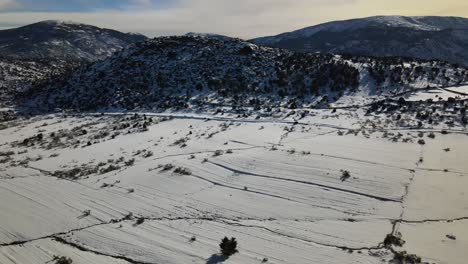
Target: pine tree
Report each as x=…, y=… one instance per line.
x=228, y=246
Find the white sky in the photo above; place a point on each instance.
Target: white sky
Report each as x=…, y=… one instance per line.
x=239, y=18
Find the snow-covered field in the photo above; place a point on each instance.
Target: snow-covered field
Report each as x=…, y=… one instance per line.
x=460, y=89
x=460, y=92
x=157, y=189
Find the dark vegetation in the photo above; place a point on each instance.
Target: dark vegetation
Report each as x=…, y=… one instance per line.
x=345, y=175
x=228, y=246
x=402, y=257
x=179, y=72
x=182, y=171
x=392, y=240
x=62, y=260
x=423, y=114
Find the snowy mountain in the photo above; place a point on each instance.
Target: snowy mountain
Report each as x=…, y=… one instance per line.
x=63, y=40
x=184, y=72
x=443, y=38
x=39, y=51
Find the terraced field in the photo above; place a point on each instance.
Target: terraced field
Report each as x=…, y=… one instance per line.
x=153, y=188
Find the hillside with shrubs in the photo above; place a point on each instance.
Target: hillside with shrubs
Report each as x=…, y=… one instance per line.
x=191, y=72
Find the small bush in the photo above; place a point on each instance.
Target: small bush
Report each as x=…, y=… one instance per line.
x=218, y=153
x=130, y=162
x=421, y=142
x=345, y=175
x=182, y=171
x=228, y=246
x=452, y=237
x=180, y=141
x=129, y=216
x=86, y=213
x=167, y=167
x=140, y=221
x=147, y=154
x=403, y=257
x=109, y=169
x=75, y=173
x=6, y=153
x=391, y=239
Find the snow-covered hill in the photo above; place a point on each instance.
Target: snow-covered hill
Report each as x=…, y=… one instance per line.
x=443, y=38
x=63, y=40
x=181, y=72
x=33, y=53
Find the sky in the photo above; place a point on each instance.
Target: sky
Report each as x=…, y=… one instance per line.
x=237, y=18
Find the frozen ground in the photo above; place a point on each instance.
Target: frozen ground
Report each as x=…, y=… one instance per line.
x=439, y=94
x=134, y=189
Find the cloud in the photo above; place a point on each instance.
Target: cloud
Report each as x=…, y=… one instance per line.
x=79, y=5
x=7, y=4
x=241, y=18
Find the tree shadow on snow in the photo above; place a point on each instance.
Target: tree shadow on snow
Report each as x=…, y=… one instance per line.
x=216, y=258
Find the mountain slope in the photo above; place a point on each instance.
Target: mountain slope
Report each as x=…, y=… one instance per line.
x=39, y=51
x=17, y=75
x=443, y=38
x=182, y=72
x=63, y=40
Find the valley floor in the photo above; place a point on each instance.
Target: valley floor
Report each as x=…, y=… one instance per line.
x=327, y=188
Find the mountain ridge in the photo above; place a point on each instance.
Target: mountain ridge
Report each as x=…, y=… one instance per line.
x=185, y=72
x=63, y=40
x=425, y=37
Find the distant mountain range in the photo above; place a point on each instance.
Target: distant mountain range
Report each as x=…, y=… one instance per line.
x=443, y=38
